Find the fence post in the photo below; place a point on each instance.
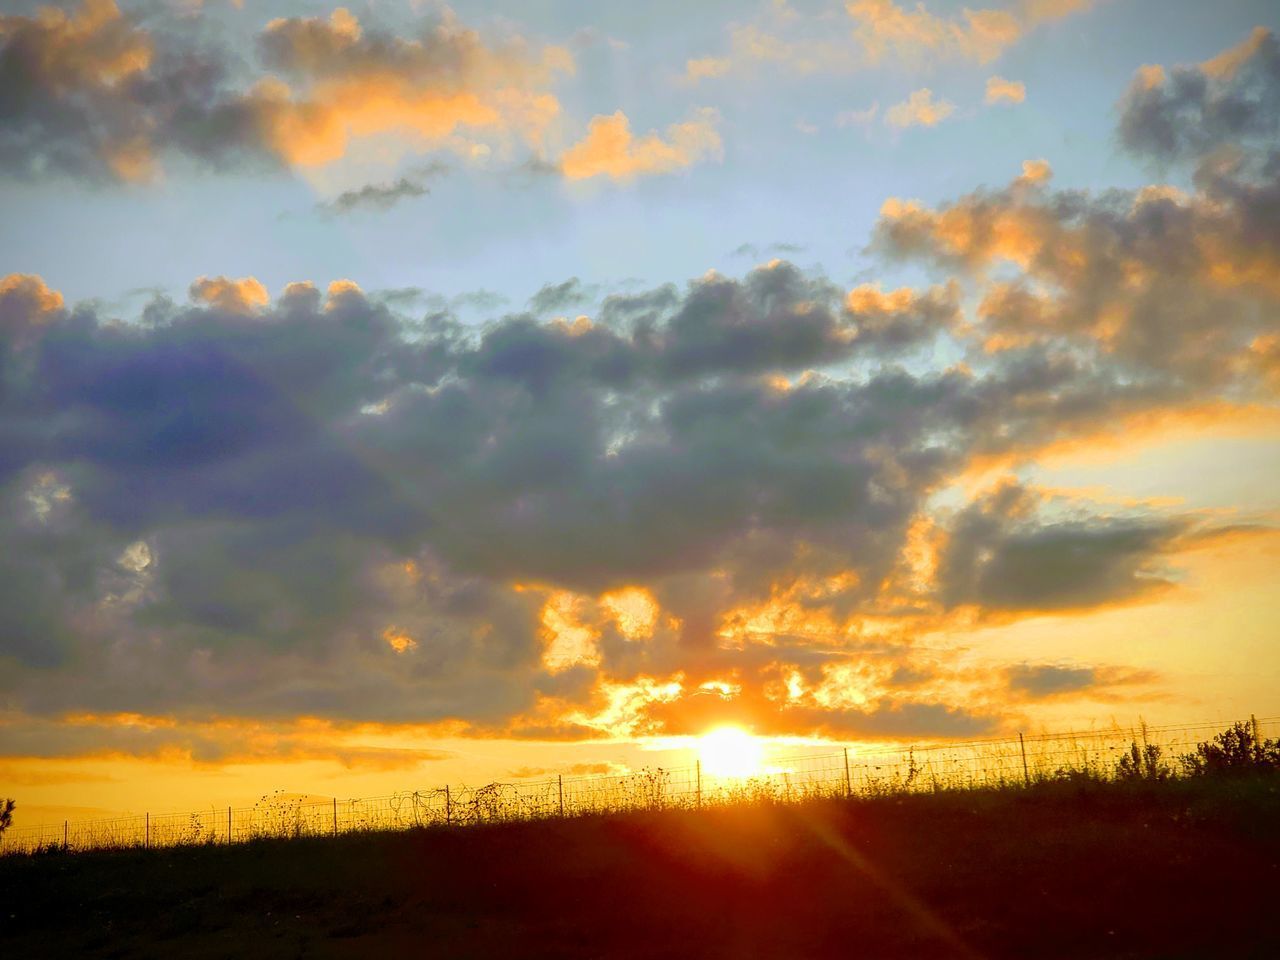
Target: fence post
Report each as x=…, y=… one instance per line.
x=848, y=785
x=1026, y=772
x=64, y=834
x=560, y=783
x=698, y=768
x=146, y=838
x=448, y=806
x=228, y=824
x=1257, y=736
x=335, y=816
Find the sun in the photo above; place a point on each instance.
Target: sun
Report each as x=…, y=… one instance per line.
x=730, y=752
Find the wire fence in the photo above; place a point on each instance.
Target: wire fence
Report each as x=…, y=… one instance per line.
x=856, y=770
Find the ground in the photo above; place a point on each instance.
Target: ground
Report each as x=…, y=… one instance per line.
x=1187, y=869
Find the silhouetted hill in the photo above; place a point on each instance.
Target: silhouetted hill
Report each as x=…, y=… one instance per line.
x=1187, y=868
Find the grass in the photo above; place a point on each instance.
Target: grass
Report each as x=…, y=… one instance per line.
x=1067, y=867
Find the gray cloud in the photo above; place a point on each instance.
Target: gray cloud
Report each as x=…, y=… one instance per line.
x=1190, y=111
x=1041, y=681
x=1003, y=554
x=257, y=505
x=375, y=196
x=554, y=297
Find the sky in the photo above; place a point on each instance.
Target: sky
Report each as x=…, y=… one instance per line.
x=401, y=393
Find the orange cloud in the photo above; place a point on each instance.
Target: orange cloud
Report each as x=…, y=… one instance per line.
x=245, y=295
x=1035, y=172
x=568, y=641
x=27, y=294
x=884, y=28
x=1225, y=64
x=919, y=110
x=1008, y=91
x=428, y=89
x=609, y=148
x=398, y=640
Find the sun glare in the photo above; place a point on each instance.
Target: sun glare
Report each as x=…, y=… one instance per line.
x=730, y=752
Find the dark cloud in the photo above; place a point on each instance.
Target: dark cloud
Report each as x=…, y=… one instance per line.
x=1043, y=681
x=1191, y=111
x=555, y=297
x=276, y=464
x=317, y=505
x=384, y=196
x=375, y=196
x=1005, y=554
x=1047, y=680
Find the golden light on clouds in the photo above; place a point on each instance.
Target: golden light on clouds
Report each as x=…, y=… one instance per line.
x=398, y=640
x=611, y=150
x=634, y=610
x=235, y=296
x=919, y=110
x=1000, y=90
x=567, y=640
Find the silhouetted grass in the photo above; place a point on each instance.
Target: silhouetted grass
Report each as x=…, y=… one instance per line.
x=1070, y=866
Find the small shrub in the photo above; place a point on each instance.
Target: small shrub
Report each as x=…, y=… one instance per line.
x=1234, y=752
x=1143, y=763
x=6, y=814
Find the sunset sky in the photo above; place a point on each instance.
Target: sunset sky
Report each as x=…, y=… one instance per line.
x=405, y=393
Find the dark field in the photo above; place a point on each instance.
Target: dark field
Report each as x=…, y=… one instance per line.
x=1183, y=869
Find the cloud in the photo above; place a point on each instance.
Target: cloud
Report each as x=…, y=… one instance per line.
x=783, y=37
x=805, y=44
x=1171, y=288
x=853, y=118
x=315, y=506
x=884, y=28
x=429, y=87
x=69, y=83
x=98, y=95
x=1004, y=555
x=1000, y=90
x=609, y=148
x=209, y=740
x=706, y=68
x=376, y=196
x=26, y=304
x=560, y=296
x=234, y=296
x=1228, y=63
x=919, y=110
x=1190, y=111
x=1034, y=172
x=1043, y=681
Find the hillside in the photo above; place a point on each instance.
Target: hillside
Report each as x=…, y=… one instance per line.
x=1181, y=869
